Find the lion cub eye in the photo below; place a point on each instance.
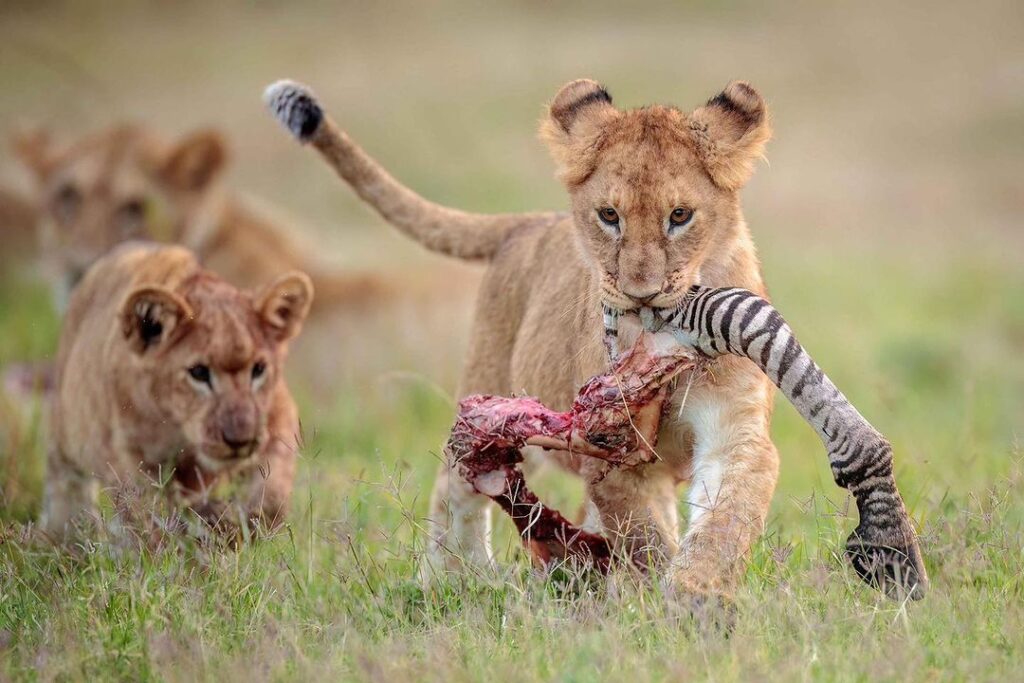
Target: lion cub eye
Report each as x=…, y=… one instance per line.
x=258, y=369
x=608, y=215
x=680, y=217
x=131, y=216
x=610, y=221
x=200, y=373
x=67, y=202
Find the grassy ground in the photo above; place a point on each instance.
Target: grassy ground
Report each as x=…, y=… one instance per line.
x=889, y=225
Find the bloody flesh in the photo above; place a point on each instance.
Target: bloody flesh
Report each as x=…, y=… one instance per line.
x=615, y=417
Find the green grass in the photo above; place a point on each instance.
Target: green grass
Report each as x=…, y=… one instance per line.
x=889, y=224
x=926, y=353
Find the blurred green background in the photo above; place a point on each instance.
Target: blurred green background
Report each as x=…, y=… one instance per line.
x=888, y=213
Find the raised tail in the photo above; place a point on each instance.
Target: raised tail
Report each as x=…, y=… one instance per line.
x=884, y=548
x=438, y=228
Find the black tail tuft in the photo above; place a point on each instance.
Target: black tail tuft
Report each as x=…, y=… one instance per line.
x=295, y=106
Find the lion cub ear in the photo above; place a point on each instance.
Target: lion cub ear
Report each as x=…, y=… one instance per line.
x=34, y=148
x=730, y=133
x=575, y=118
x=196, y=161
x=151, y=315
x=284, y=304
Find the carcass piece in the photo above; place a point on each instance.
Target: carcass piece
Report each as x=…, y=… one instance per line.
x=615, y=417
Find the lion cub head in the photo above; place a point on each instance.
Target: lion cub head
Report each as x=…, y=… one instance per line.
x=654, y=190
x=210, y=358
x=121, y=184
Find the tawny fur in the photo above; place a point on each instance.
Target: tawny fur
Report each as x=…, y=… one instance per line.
x=18, y=217
x=128, y=183
x=125, y=408
x=538, y=322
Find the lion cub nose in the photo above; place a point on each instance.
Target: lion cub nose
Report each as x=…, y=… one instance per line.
x=239, y=432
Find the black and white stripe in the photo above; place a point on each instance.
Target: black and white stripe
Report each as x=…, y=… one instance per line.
x=611, y=330
x=735, y=321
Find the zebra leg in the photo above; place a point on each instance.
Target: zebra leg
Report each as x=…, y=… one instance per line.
x=735, y=469
x=883, y=549
x=611, y=331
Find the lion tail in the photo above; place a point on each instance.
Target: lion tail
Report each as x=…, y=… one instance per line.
x=439, y=228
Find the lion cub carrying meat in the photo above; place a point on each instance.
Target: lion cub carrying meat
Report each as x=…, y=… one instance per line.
x=655, y=210
x=165, y=369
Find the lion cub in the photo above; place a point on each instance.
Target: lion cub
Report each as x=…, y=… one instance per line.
x=165, y=370
x=128, y=182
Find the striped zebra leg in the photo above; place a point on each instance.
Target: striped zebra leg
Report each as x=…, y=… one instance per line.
x=611, y=331
x=883, y=549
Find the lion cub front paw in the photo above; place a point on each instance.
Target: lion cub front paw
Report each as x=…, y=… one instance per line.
x=707, y=605
x=225, y=522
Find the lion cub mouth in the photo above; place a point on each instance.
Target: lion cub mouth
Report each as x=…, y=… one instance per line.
x=651, y=318
x=615, y=299
x=221, y=463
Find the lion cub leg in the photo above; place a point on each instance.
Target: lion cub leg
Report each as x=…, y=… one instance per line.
x=260, y=501
x=458, y=523
x=735, y=469
x=69, y=497
x=271, y=482
x=637, y=509
x=458, y=526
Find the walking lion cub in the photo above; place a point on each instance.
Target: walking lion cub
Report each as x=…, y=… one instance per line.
x=166, y=371
x=655, y=206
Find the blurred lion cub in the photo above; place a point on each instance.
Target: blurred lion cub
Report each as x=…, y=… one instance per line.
x=128, y=183
x=166, y=370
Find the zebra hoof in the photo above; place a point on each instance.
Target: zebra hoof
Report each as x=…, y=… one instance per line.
x=896, y=570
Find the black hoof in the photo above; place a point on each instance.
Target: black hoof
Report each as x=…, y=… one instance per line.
x=897, y=572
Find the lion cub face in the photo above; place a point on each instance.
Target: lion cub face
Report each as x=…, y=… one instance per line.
x=654, y=190
x=120, y=184
x=211, y=359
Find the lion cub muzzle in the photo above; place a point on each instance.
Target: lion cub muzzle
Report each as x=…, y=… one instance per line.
x=239, y=430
